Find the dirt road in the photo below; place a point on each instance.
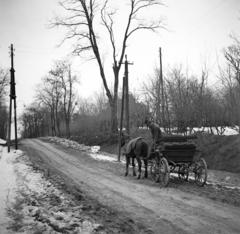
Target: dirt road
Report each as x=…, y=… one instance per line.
x=167, y=210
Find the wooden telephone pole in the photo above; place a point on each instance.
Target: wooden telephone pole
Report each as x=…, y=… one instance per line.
x=121, y=119
x=125, y=98
x=126, y=63
x=162, y=88
x=12, y=97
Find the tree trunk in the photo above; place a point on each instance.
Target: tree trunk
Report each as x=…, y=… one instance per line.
x=58, y=127
x=57, y=122
x=67, y=122
x=114, y=121
x=53, y=127
x=114, y=102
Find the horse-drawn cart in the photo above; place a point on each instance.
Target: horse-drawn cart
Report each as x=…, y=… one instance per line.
x=179, y=155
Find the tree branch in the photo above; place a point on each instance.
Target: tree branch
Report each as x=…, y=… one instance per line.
x=109, y=27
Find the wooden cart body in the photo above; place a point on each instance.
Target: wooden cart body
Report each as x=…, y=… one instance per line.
x=180, y=155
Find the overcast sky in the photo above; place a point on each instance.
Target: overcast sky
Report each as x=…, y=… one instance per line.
x=197, y=32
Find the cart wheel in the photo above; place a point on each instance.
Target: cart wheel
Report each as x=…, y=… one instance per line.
x=164, y=172
x=183, y=172
x=154, y=170
x=200, y=171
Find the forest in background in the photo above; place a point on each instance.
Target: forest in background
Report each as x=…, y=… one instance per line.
x=189, y=102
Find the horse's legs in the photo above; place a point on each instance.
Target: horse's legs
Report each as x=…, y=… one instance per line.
x=133, y=166
x=146, y=168
x=127, y=164
x=139, y=167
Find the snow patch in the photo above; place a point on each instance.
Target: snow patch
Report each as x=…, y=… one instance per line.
x=7, y=184
x=41, y=207
x=227, y=131
x=92, y=151
x=95, y=149
x=102, y=157
x=70, y=143
x=2, y=142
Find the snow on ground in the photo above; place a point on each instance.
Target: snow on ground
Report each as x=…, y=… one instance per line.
x=102, y=157
x=93, y=151
x=228, y=131
x=7, y=185
x=31, y=204
x=2, y=142
x=70, y=143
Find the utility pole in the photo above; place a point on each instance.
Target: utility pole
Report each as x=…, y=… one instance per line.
x=12, y=97
x=162, y=88
x=125, y=98
x=126, y=63
x=121, y=119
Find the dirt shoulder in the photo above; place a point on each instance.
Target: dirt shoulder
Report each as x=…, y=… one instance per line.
x=130, y=206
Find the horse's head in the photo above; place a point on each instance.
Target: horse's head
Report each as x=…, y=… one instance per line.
x=147, y=121
x=124, y=139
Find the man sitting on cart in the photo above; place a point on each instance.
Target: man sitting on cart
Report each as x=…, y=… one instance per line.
x=155, y=131
x=156, y=135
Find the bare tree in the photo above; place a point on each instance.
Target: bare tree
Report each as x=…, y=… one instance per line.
x=101, y=101
x=187, y=100
x=49, y=94
x=63, y=71
x=230, y=77
x=232, y=55
x=33, y=121
x=157, y=97
x=55, y=84
x=81, y=25
x=4, y=83
x=152, y=95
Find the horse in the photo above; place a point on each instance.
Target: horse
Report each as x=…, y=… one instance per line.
x=136, y=148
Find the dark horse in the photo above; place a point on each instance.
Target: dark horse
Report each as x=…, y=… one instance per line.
x=136, y=148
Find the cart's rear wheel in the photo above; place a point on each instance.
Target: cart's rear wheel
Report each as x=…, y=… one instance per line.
x=183, y=172
x=200, y=171
x=164, y=172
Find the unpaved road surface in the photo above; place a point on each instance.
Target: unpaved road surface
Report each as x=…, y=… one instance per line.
x=160, y=210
